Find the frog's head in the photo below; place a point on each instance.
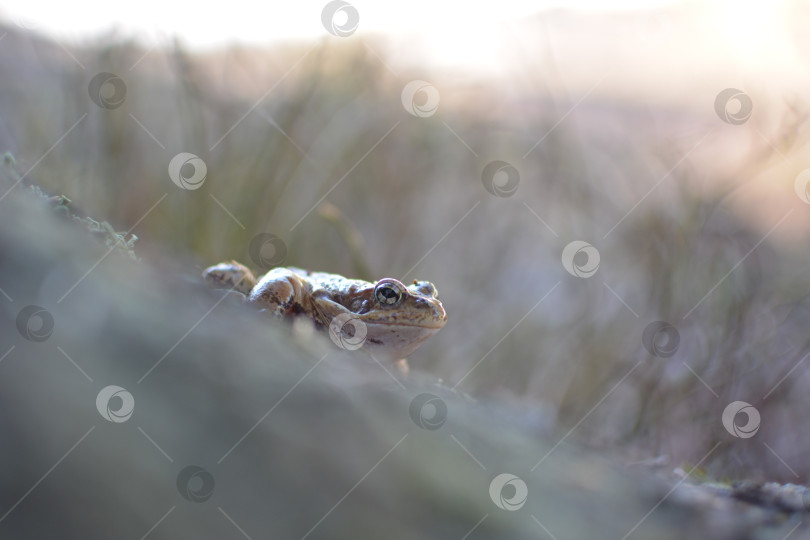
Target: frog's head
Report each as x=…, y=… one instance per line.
x=397, y=319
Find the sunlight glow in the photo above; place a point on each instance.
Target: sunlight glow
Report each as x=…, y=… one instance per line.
x=484, y=38
x=248, y=22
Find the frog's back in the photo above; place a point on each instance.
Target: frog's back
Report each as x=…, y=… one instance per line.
x=335, y=285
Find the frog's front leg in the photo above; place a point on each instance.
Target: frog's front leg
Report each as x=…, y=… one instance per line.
x=230, y=275
x=279, y=291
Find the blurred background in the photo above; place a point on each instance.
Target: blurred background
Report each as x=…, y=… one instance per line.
x=469, y=147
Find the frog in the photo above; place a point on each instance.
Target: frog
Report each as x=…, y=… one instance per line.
x=386, y=318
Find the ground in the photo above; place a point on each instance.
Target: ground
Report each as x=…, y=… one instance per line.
x=137, y=403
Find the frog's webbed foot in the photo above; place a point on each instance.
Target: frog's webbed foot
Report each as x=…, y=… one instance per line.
x=230, y=275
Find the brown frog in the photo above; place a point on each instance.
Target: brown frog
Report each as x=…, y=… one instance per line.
x=386, y=319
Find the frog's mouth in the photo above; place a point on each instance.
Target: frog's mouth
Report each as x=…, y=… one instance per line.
x=427, y=325
x=428, y=320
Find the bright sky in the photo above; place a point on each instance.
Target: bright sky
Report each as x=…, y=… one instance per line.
x=442, y=33
x=249, y=21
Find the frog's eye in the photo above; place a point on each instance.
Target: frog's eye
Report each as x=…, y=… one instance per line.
x=387, y=293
